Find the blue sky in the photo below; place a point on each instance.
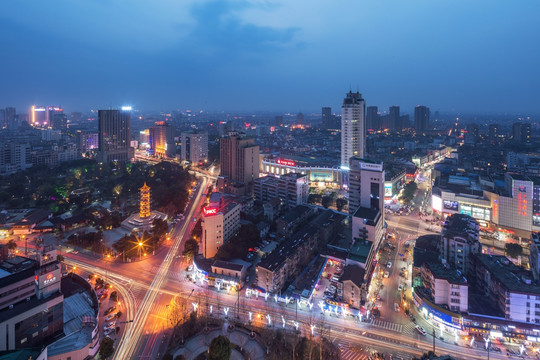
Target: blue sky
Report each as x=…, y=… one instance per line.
x=296, y=55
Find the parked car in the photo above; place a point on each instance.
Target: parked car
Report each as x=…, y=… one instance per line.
x=110, y=310
x=389, y=264
x=108, y=331
x=109, y=317
x=386, y=274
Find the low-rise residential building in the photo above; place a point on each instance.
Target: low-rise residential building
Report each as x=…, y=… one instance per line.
x=291, y=188
x=352, y=282
x=446, y=286
x=509, y=286
x=367, y=235
x=289, y=222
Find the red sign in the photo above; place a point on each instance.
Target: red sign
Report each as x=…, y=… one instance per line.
x=286, y=162
x=209, y=211
x=50, y=276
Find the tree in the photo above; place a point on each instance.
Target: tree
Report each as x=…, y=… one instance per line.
x=159, y=227
x=12, y=245
x=327, y=201
x=106, y=348
x=513, y=250
x=408, y=191
x=191, y=248
x=220, y=348
x=114, y=296
x=314, y=199
x=340, y=203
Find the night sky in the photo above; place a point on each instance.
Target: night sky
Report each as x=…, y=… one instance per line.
x=455, y=55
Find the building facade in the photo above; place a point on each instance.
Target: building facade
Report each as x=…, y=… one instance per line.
x=366, y=185
x=239, y=158
x=220, y=222
x=421, y=119
x=194, y=147
x=353, y=128
x=291, y=188
x=459, y=241
x=114, y=139
x=162, y=140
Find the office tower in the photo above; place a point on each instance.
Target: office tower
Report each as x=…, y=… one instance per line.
x=521, y=132
x=372, y=118
x=366, y=187
x=56, y=118
x=472, y=129
x=87, y=141
x=239, y=158
x=194, y=147
x=421, y=119
x=394, y=119
x=327, y=118
x=353, y=127
x=493, y=132
x=459, y=240
x=162, y=140
x=10, y=116
x=226, y=127
x=300, y=119
x=114, y=127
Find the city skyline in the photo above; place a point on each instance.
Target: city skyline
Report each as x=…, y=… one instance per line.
x=271, y=56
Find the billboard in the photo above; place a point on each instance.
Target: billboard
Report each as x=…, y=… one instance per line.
x=450, y=205
x=436, y=203
x=387, y=189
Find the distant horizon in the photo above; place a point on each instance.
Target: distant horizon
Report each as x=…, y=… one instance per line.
x=452, y=56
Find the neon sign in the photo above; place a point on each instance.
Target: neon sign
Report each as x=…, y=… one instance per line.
x=210, y=211
x=286, y=162
x=50, y=278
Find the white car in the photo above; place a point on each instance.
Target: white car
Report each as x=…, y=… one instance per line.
x=108, y=331
x=389, y=264
x=386, y=274
x=400, y=287
x=420, y=330
x=109, y=317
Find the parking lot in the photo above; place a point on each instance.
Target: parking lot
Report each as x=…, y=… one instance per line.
x=327, y=286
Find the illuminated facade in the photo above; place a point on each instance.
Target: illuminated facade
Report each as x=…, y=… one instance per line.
x=195, y=147
x=162, y=140
x=219, y=224
x=317, y=174
x=366, y=185
x=144, y=204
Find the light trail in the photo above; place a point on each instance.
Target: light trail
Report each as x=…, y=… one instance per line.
x=128, y=347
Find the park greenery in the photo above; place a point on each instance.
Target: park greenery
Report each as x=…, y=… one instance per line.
x=80, y=183
x=106, y=348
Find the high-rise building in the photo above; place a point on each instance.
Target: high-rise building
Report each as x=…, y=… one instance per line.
x=372, y=118
x=87, y=141
x=366, y=185
x=278, y=120
x=10, y=116
x=421, y=119
x=239, y=158
x=521, y=132
x=3, y=122
x=38, y=116
x=353, y=127
x=493, y=132
x=394, y=119
x=194, y=147
x=162, y=140
x=56, y=118
x=327, y=118
x=114, y=128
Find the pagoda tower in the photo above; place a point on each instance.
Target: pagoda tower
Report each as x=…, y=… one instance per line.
x=144, y=204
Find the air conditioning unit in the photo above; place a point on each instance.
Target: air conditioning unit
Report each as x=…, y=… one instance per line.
x=11, y=306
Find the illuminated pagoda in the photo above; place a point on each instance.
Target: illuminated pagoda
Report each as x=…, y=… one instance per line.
x=144, y=202
x=142, y=221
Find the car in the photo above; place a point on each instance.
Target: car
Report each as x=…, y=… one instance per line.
x=406, y=244
x=400, y=287
x=110, y=310
x=108, y=331
x=386, y=274
x=110, y=324
x=190, y=267
x=98, y=286
x=396, y=307
x=110, y=317
x=103, y=296
x=389, y=264
x=105, y=328
x=420, y=330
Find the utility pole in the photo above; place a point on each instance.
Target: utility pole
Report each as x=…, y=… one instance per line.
x=434, y=340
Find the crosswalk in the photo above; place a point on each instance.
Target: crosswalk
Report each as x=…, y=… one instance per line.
x=351, y=351
x=388, y=325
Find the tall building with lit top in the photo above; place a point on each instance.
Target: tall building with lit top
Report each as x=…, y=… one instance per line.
x=144, y=203
x=353, y=127
x=114, y=128
x=162, y=140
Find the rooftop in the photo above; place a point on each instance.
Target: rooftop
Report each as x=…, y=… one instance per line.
x=512, y=277
x=227, y=265
x=353, y=273
x=440, y=271
x=15, y=269
x=366, y=213
x=461, y=225
x=360, y=251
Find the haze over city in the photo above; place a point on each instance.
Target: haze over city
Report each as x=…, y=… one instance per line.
x=454, y=56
